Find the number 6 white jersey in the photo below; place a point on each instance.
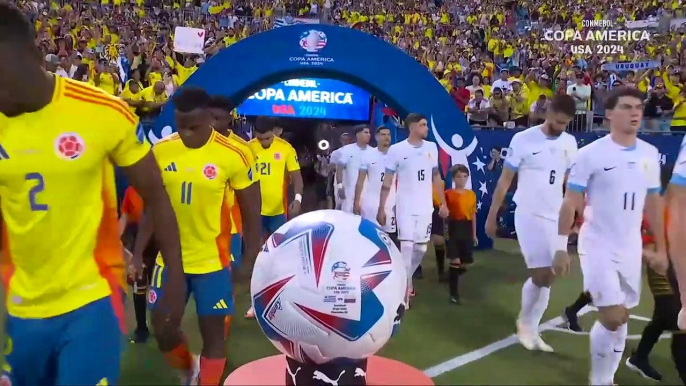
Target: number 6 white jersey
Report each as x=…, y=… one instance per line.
x=616, y=180
x=413, y=167
x=541, y=163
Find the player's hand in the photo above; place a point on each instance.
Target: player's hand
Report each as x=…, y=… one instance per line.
x=356, y=209
x=294, y=208
x=476, y=241
x=490, y=227
x=381, y=217
x=681, y=320
x=341, y=194
x=561, y=263
x=443, y=211
x=243, y=273
x=168, y=314
x=657, y=260
x=136, y=265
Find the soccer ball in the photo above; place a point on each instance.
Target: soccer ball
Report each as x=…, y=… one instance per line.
x=328, y=285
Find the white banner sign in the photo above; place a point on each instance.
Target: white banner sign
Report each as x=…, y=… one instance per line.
x=189, y=40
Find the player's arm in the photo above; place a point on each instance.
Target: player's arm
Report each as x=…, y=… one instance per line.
x=249, y=201
x=655, y=212
x=573, y=202
x=293, y=168
x=676, y=196
x=391, y=168
x=511, y=165
x=359, y=185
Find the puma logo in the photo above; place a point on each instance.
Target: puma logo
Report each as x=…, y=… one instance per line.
x=322, y=377
x=360, y=373
x=288, y=368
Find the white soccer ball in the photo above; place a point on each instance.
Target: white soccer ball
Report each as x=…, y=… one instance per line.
x=328, y=285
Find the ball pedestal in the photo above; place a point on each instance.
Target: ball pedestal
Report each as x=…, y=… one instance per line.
x=271, y=371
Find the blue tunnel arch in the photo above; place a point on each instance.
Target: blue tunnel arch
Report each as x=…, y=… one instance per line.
x=348, y=55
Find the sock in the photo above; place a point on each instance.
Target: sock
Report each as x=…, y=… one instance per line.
x=211, y=370
x=227, y=325
x=406, y=252
x=140, y=309
x=540, y=306
x=618, y=347
x=582, y=301
x=679, y=353
x=180, y=357
x=453, y=279
x=602, y=361
x=650, y=336
x=440, y=259
x=530, y=296
x=418, y=252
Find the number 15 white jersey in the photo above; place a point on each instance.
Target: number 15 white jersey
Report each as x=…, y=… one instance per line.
x=413, y=167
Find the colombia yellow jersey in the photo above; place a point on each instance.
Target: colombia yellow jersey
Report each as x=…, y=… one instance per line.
x=60, y=244
x=197, y=181
x=271, y=167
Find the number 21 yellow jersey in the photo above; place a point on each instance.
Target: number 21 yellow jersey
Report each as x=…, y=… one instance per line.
x=197, y=181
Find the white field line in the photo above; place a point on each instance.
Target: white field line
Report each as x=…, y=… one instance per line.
x=666, y=335
x=477, y=354
x=551, y=325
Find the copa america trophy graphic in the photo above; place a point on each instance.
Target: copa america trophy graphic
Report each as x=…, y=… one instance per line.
x=328, y=289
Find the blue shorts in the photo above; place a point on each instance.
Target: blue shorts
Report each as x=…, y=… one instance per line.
x=82, y=347
x=213, y=292
x=236, y=250
x=271, y=223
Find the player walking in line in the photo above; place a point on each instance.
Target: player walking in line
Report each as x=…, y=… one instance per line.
x=199, y=165
x=622, y=173
x=676, y=202
x=414, y=162
x=62, y=263
x=369, y=181
x=665, y=311
x=276, y=163
x=541, y=155
x=333, y=164
x=348, y=167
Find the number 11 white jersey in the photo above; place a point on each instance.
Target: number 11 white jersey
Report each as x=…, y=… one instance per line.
x=413, y=167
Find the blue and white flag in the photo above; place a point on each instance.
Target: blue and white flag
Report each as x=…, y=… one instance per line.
x=632, y=66
x=290, y=20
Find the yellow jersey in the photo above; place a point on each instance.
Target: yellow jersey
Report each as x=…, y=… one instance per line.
x=197, y=181
x=271, y=166
x=60, y=244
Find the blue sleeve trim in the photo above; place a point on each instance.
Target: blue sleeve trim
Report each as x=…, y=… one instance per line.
x=678, y=180
x=576, y=188
x=511, y=167
x=654, y=190
x=390, y=171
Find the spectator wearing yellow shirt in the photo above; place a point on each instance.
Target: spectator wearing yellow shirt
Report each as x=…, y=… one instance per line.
x=519, y=104
x=153, y=98
x=132, y=95
x=679, y=119
x=106, y=77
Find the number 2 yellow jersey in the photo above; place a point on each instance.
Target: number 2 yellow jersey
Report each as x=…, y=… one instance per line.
x=60, y=244
x=197, y=181
x=271, y=166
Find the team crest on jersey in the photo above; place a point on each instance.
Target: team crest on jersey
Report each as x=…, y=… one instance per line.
x=152, y=296
x=277, y=156
x=69, y=146
x=210, y=171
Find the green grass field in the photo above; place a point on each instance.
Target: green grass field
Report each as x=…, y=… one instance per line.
x=449, y=341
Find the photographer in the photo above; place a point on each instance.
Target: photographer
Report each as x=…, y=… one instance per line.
x=478, y=109
x=657, y=108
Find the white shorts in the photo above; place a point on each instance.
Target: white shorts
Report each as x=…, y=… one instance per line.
x=414, y=227
x=611, y=279
x=538, y=239
x=369, y=211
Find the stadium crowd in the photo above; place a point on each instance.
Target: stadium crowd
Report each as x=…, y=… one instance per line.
x=491, y=57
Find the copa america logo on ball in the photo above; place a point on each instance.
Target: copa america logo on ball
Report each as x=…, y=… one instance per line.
x=313, y=41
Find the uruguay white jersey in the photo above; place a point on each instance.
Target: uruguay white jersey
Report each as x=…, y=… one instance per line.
x=374, y=163
x=413, y=167
x=679, y=174
x=335, y=156
x=350, y=158
x=616, y=180
x=541, y=163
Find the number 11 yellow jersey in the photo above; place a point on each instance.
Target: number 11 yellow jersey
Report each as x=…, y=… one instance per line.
x=197, y=181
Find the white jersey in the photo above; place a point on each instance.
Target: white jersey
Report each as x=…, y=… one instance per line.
x=679, y=174
x=350, y=158
x=616, y=180
x=374, y=163
x=335, y=156
x=413, y=167
x=541, y=163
